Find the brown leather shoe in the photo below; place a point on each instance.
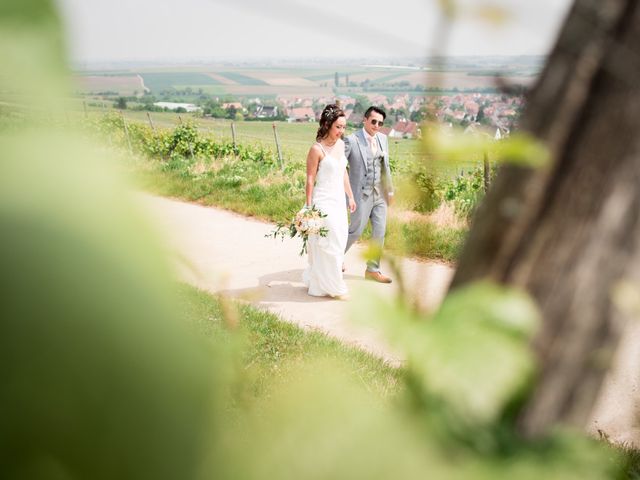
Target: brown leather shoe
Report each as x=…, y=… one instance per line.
x=376, y=277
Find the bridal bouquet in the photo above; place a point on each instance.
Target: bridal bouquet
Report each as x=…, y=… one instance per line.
x=307, y=221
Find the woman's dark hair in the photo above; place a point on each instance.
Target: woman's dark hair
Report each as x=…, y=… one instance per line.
x=375, y=109
x=330, y=114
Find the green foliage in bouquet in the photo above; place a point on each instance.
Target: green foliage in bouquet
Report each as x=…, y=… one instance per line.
x=307, y=221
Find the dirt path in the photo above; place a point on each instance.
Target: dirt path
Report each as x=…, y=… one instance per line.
x=223, y=252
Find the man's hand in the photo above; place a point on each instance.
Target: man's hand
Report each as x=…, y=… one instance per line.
x=389, y=198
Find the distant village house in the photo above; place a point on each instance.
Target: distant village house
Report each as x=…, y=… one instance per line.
x=189, y=107
x=405, y=129
x=264, y=111
x=237, y=105
x=301, y=114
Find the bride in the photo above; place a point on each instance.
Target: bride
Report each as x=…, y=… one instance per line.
x=327, y=185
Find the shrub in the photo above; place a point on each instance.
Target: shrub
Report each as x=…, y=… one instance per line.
x=427, y=186
x=464, y=191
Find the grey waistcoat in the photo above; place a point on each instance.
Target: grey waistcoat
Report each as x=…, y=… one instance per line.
x=374, y=172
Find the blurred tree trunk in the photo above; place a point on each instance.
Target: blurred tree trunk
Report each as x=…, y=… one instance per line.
x=570, y=233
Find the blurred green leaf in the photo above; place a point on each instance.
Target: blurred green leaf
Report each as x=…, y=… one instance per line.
x=520, y=148
x=323, y=424
x=454, y=145
x=32, y=54
x=473, y=354
x=477, y=355
x=372, y=251
x=27, y=12
x=100, y=380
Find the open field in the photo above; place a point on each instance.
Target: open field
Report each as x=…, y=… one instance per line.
x=220, y=79
x=157, y=82
x=283, y=78
x=460, y=80
x=277, y=90
x=207, y=89
x=124, y=84
x=253, y=80
x=241, y=79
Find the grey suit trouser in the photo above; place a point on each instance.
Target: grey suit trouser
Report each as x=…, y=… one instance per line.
x=374, y=208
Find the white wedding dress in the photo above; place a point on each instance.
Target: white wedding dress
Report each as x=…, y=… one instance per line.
x=323, y=275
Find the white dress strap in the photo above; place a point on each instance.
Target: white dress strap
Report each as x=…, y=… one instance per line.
x=321, y=147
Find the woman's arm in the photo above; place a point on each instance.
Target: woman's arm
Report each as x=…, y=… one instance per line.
x=349, y=193
x=313, y=160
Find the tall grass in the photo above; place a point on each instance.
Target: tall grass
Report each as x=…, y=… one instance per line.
x=273, y=347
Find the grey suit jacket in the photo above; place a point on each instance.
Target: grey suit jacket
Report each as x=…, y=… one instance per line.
x=356, y=146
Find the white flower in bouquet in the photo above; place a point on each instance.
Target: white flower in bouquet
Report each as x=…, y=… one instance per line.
x=307, y=221
x=314, y=225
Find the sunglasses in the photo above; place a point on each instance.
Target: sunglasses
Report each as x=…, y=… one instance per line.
x=375, y=122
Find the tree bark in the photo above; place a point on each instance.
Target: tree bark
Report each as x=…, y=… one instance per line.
x=570, y=232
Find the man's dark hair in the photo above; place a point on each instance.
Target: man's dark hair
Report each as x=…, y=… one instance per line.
x=375, y=109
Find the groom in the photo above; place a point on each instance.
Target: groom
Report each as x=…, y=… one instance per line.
x=367, y=151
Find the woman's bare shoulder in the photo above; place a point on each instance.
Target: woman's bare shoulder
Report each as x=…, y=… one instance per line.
x=315, y=147
x=315, y=151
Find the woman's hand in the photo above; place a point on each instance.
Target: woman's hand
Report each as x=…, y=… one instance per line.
x=349, y=193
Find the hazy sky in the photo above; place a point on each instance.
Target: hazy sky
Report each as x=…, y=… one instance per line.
x=107, y=30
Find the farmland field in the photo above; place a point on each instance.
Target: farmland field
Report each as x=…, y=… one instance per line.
x=208, y=89
x=253, y=80
x=126, y=84
x=220, y=79
x=242, y=79
x=282, y=78
x=278, y=91
x=397, y=76
x=460, y=80
x=157, y=82
x=330, y=75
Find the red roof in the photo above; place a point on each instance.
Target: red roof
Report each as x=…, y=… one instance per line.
x=302, y=113
x=404, y=126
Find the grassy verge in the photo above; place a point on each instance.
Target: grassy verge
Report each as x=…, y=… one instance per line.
x=417, y=237
x=274, y=348
x=250, y=189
